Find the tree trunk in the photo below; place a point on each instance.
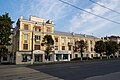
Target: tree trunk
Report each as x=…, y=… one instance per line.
x=107, y=57
x=100, y=55
x=81, y=55
x=0, y=59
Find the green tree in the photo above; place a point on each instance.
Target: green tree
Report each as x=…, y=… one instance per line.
x=5, y=32
x=111, y=48
x=100, y=47
x=48, y=43
x=80, y=47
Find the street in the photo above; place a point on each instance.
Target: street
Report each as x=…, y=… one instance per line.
x=91, y=70
x=85, y=70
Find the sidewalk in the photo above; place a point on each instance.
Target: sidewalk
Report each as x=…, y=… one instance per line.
x=111, y=76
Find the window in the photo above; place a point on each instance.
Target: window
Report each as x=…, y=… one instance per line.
x=86, y=43
x=25, y=27
x=63, y=41
x=76, y=55
x=58, y=57
x=91, y=49
x=65, y=56
x=63, y=47
x=37, y=47
x=70, y=55
x=56, y=47
x=4, y=58
x=26, y=57
x=56, y=39
x=86, y=48
x=69, y=47
x=37, y=37
x=91, y=43
x=25, y=46
x=38, y=29
x=48, y=29
x=25, y=36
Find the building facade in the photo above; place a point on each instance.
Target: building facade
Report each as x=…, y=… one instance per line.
x=28, y=35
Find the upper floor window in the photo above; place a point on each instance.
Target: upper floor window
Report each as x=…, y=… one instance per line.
x=38, y=29
x=91, y=49
x=48, y=29
x=25, y=27
x=86, y=43
x=37, y=37
x=69, y=47
x=56, y=47
x=91, y=43
x=25, y=36
x=63, y=41
x=63, y=47
x=25, y=46
x=56, y=39
x=37, y=47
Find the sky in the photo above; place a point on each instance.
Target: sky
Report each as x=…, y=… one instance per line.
x=66, y=17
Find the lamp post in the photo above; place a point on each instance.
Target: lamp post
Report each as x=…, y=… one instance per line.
x=32, y=55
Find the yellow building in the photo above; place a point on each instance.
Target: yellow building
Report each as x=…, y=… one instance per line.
x=28, y=36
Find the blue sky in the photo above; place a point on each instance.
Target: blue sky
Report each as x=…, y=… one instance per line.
x=67, y=18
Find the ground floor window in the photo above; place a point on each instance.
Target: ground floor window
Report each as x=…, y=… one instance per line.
x=65, y=56
x=87, y=55
x=26, y=57
x=47, y=57
x=4, y=58
x=76, y=55
x=70, y=55
x=58, y=56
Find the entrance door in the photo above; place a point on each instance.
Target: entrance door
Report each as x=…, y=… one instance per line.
x=38, y=57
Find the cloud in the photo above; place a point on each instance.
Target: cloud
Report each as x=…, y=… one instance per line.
x=49, y=9
x=79, y=21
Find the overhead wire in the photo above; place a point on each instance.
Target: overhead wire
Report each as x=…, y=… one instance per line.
x=104, y=6
x=89, y=12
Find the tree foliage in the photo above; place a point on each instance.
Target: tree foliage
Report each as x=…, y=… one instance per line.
x=100, y=47
x=80, y=47
x=108, y=47
x=48, y=43
x=5, y=32
x=111, y=47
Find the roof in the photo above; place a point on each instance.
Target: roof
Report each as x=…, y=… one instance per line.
x=114, y=36
x=73, y=34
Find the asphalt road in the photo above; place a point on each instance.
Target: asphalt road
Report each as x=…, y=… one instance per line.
x=90, y=70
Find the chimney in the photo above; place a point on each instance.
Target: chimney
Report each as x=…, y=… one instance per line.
x=21, y=17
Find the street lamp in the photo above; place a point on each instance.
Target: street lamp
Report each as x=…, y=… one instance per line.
x=32, y=55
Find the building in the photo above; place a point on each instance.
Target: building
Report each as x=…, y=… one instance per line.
x=28, y=36
x=112, y=38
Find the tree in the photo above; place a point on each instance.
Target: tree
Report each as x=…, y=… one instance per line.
x=80, y=47
x=48, y=43
x=5, y=32
x=111, y=48
x=100, y=47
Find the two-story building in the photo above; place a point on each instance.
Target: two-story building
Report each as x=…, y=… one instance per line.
x=28, y=35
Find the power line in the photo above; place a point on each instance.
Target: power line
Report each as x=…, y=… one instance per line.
x=104, y=6
x=89, y=12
